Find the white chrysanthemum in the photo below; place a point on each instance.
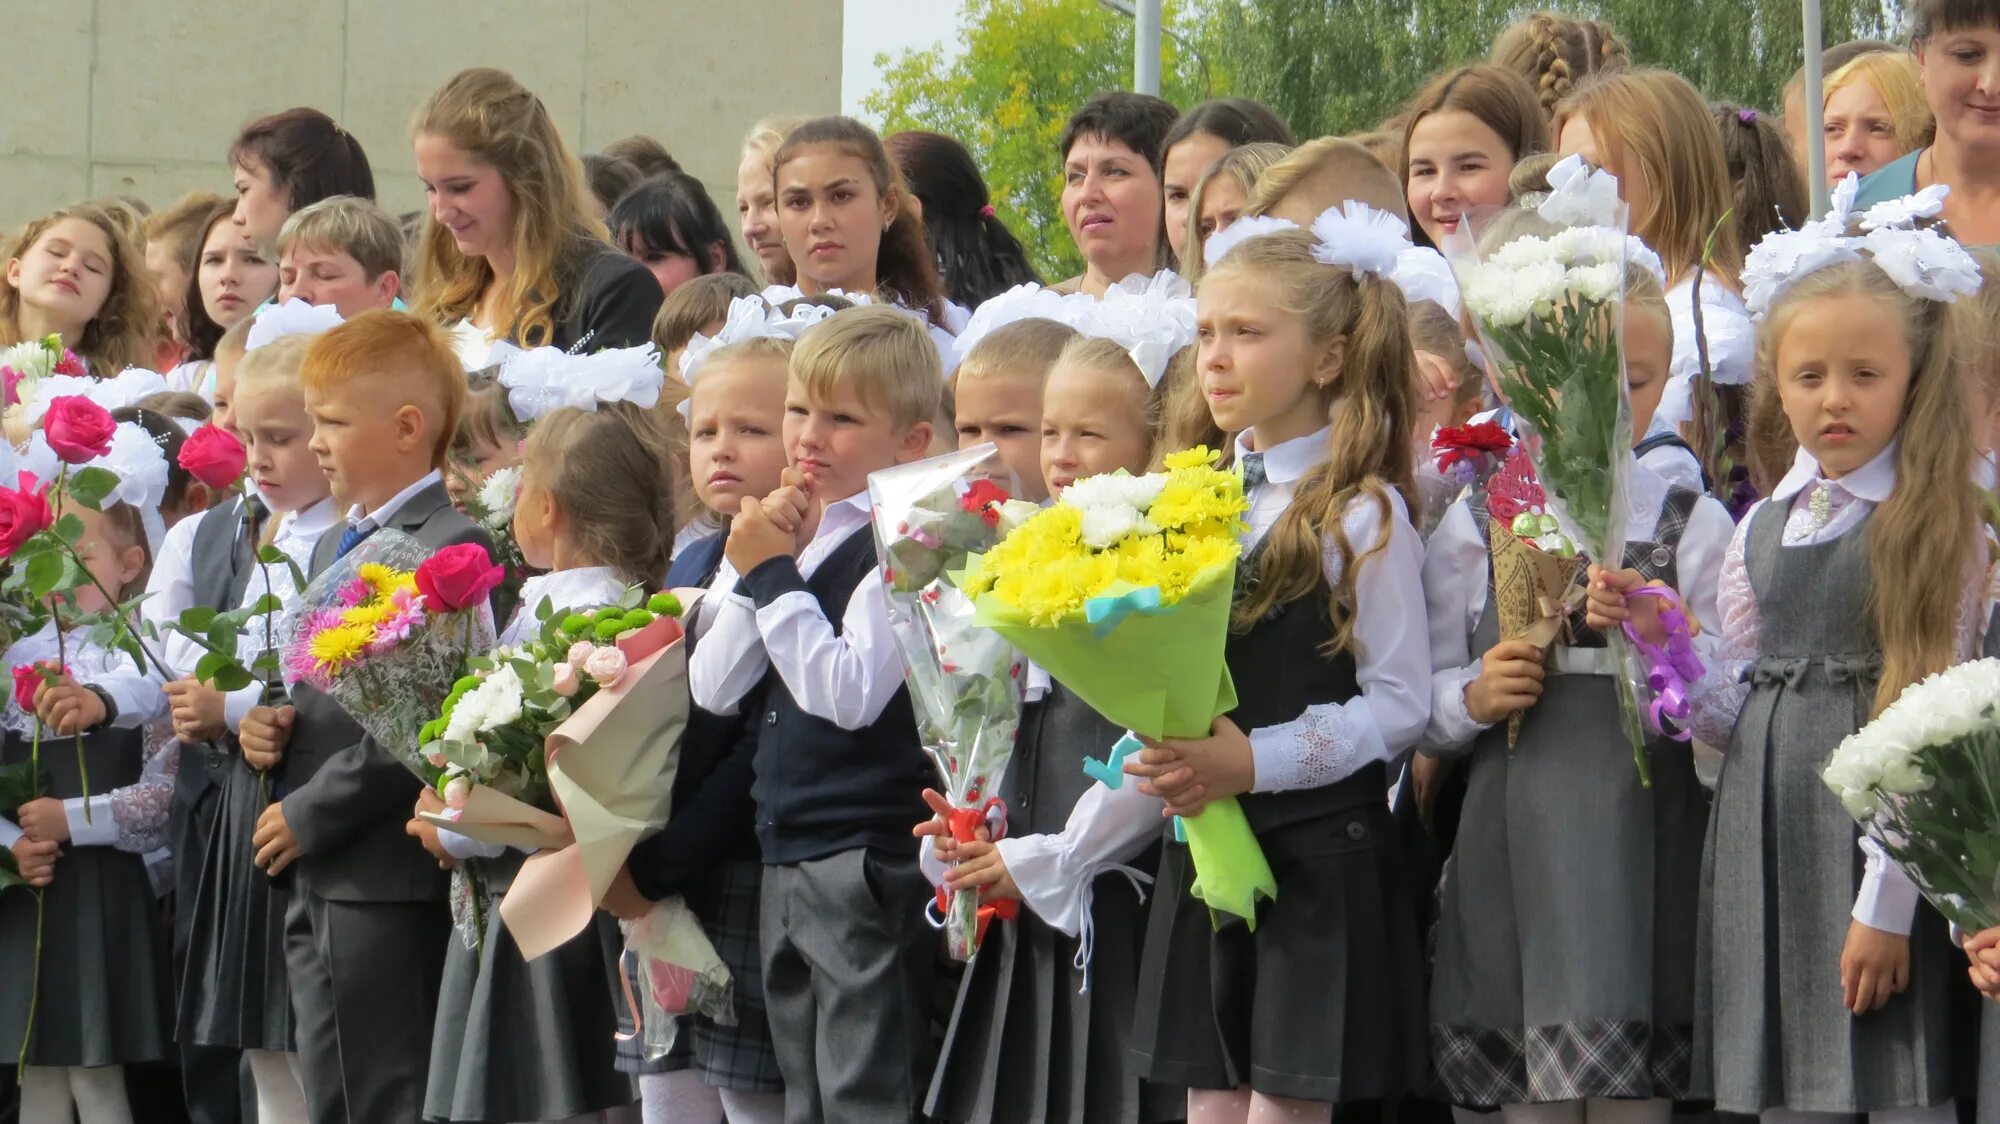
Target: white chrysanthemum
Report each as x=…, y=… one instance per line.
x=497, y=495
x=1115, y=489
x=1493, y=295
x=1525, y=250
x=1105, y=524
x=1600, y=282
x=489, y=706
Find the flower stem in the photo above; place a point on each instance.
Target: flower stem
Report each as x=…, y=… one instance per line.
x=35, y=982
x=82, y=769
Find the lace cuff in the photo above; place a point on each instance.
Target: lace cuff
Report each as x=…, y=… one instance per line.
x=1318, y=748
x=140, y=811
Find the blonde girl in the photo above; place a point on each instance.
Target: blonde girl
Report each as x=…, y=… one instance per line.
x=1864, y=572
x=1313, y=369
x=757, y=198
x=1557, y=54
x=532, y=1040
x=77, y=273
x=1875, y=114
x=511, y=249
x=1099, y=413
x=1220, y=194
x=1652, y=130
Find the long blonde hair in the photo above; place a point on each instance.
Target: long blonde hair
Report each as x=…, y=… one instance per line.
x=1369, y=405
x=1654, y=124
x=121, y=335
x=493, y=119
x=1922, y=540
x=1245, y=164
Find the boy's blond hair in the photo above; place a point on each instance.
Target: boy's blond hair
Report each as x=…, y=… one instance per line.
x=235, y=342
x=278, y=361
x=406, y=357
x=883, y=353
x=355, y=227
x=1327, y=172
x=1025, y=348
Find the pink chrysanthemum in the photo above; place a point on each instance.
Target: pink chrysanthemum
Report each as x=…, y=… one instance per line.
x=354, y=593
x=398, y=625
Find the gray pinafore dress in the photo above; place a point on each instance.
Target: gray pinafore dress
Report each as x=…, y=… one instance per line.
x=1027, y=1045
x=107, y=989
x=1782, y=866
x=1564, y=959
x=526, y=1040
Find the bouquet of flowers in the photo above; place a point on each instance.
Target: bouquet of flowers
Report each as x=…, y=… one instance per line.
x=1547, y=299
x=1924, y=780
x=384, y=631
x=26, y=364
x=567, y=745
x=491, y=505
x=965, y=680
x=1121, y=590
x=1468, y=454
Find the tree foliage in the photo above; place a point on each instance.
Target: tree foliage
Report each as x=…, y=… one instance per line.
x=1329, y=67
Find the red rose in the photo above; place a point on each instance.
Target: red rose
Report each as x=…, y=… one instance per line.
x=458, y=578
x=27, y=680
x=213, y=456
x=24, y=511
x=78, y=429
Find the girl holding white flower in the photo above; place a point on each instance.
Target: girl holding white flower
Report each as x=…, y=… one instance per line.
x=595, y=513
x=1821, y=986
x=1305, y=352
x=1526, y=1005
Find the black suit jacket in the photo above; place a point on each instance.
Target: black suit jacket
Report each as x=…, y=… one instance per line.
x=607, y=299
x=348, y=798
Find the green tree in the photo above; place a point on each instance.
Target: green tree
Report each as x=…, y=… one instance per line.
x=1021, y=67
x=1738, y=50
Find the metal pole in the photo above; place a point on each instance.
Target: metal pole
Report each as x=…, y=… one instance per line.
x=1815, y=99
x=1146, y=47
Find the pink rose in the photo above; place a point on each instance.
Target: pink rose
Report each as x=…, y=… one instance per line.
x=10, y=385
x=566, y=681
x=78, y=429
x=579, y=653
x=213, y=456
x=456, y=791
x=458, y=577
x=24, y=511
x=606, y=665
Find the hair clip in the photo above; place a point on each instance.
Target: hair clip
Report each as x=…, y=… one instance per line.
x=1746, y=116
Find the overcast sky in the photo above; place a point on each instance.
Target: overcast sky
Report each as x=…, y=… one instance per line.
x=876, y=26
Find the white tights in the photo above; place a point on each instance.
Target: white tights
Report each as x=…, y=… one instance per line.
x=1597, y=1110
x=739, y=1107
x=1242, y=1106
x=281, y=1095
x=97, y=1094
x=1946, y=1113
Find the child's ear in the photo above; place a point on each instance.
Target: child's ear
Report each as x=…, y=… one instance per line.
x=196, y=498
x=412, y=427
x=389, y=284
x=915, y=443
x=718, y=260
x=1331, y=362
x=131, y=561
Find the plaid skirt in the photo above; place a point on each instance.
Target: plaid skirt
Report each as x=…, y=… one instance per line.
x=738, y=1056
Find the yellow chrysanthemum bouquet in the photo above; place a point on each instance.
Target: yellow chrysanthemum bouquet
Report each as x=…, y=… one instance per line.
x=1121, y=591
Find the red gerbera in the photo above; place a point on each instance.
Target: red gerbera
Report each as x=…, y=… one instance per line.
x=70, y=364
x=1469, y=443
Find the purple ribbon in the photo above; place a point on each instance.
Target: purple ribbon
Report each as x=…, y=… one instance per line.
x=1669, y=670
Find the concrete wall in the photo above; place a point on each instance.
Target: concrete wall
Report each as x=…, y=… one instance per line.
x=144, y=96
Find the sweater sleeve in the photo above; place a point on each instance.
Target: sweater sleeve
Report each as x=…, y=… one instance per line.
x=617, y=303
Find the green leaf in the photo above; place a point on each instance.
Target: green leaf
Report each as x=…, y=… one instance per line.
x=44, y=574
x=197, y=619
x=89, y=486
x=69, y=528
x=270, y=555
x=544, y=609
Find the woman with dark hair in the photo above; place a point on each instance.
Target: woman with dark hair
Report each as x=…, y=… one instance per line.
x=669, y=224
x=1111, y=152
x=976, y=253
x=288, y=160
x=1199, y=138
x=609, y=178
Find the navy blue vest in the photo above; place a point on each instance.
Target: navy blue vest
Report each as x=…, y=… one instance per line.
x=820, y=789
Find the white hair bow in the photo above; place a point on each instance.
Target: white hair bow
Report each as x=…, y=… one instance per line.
x=1022, y=302
x=1923, y=262
x=126, y=388
x=295, y=317
x=1152, y=318
x=1239, y=232
x=542, y=379
x=1580, y=195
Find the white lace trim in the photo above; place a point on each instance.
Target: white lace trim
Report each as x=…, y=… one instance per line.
x=140, y=810
x=1315, y=749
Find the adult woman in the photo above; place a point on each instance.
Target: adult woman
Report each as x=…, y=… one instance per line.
x=287, y=160
x=757, y=198
x=1875, y=114
x=668, y=224
x=509, y=249
x=976, y=253
x=1112, y=201
x=1198, y=139
x=1465, y=131
x=1958, y=60
x=847, y=219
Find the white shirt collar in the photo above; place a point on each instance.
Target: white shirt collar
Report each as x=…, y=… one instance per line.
x=1287, y=461
x=308, y=523
x=1872, y=482
x=387, y=511
x=581, y=588
x=842, y=516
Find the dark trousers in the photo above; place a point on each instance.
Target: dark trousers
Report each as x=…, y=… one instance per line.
x=364, y=981
x=847, y=966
